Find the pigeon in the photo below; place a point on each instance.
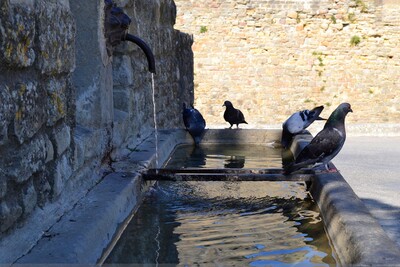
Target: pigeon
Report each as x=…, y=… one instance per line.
x=233, y=115
x=194, y=123
x=298, y=122
x=326, y=144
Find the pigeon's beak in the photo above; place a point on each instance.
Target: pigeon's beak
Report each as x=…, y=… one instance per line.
x=223, y=105
x=320, y=119
x=350, y=110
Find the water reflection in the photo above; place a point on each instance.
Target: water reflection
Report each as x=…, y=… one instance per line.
x=228, y=224
x=235, y=162
x=224, y=156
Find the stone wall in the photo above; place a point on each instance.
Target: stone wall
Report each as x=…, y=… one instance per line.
x=173, y=82
x=37, y=110
x=68, y=108
x=274, y=57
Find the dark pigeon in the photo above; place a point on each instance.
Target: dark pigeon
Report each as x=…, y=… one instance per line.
x=298, y=122
x=326, y=144
x=194, y=123
x=233, y=115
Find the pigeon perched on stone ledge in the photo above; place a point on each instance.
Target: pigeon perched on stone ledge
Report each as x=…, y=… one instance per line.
x=194, y=123
x=298, y=122
x=233, y=115
x=326, y=144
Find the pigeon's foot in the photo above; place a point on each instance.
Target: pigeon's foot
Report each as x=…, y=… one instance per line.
x=333, y=170
x=329, y=169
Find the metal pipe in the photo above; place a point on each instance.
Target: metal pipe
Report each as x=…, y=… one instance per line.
x=146, y=49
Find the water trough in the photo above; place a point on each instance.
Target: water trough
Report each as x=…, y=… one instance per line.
x=88, y=233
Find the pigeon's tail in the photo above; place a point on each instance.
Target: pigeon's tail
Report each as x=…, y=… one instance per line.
x=315, y=113
x=245, y=122
x=293, y=166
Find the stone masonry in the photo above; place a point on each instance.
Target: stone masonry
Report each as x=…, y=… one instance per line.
x=274, y=57
x=36, y=109
x=67, y=108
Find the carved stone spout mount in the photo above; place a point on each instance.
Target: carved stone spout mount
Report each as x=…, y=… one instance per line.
x=116, y=25
x=116, y=30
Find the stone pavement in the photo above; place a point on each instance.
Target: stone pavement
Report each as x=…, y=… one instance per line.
x=371, y=166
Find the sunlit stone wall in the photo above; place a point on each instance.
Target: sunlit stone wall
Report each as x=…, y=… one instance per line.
x=274, y=57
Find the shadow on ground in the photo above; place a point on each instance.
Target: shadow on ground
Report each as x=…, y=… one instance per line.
x=387, y=215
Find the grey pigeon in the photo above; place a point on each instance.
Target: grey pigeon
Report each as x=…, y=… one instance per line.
x=194, y=122
x=233, y=115
x=326, y=144
x=298, y=122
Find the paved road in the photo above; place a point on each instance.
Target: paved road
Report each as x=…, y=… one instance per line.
x=371, y=165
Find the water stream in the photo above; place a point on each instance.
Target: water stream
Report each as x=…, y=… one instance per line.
x=155, y=117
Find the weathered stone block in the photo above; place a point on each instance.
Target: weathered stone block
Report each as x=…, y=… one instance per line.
x=56, y=37
x=7, y=110
x=122, y=71
x=82, y=137
x=79, y=156
x=29, y=112
x=121, y=99
x=21, y=163
x=56, y=100
x=167, y=12
x=61, y=172
x=62, y=138
x=29, y=198
x=49, y=150
x=121, y=128
x=3, y=185
x=42, y=187
x=89, y=145
x=10, y=212
x=17, y=34
x=292, y=14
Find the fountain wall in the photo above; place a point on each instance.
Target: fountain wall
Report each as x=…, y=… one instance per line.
x=68, y=109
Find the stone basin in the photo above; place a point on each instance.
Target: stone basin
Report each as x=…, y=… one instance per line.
x=87, y=234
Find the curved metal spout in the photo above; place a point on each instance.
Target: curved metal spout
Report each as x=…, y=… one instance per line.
x=146, y=49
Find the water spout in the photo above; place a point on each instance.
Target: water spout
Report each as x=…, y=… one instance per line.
x=146, y=49
x=116, y=27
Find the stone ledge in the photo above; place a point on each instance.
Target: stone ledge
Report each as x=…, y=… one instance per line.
x=356, y=236
x=352, y=129
x=83, y=234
